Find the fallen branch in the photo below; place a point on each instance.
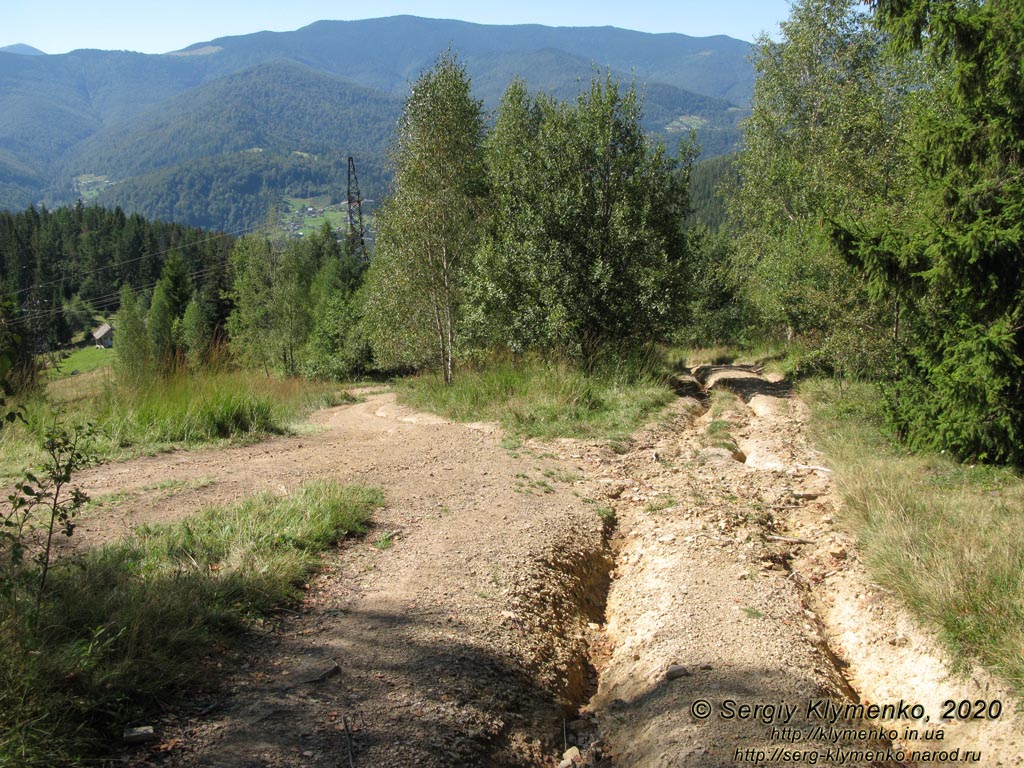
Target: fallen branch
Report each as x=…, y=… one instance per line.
x=789, y=540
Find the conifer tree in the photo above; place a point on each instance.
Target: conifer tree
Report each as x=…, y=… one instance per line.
x=959, y=252
x=132, y=347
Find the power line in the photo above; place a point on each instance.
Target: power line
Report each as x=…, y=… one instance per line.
x=157, y=254
x=101, y=302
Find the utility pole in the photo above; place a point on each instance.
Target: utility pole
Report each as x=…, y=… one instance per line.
x=356, y=233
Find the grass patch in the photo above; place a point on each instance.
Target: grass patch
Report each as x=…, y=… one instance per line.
x=948, y=538
x=83, y=361
x=535, y=398
x=766, y=354
x=660, y=504
x=125, y=628
x=179, y=411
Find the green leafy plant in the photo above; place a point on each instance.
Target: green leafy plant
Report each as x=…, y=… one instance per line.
x=42, y=500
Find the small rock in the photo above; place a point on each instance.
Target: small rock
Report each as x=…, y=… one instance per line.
x=838, y=551
x=139, y=735
x=808, y=495
x=565, y=764
x=899, y=641
x=571, y=754
x=579, y=725
x=614, y=491
x=676, y=671
x=668, y=538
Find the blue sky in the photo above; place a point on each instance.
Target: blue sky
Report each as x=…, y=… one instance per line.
x=58, y=26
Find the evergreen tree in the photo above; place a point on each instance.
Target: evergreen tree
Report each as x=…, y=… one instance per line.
x=132, y=345
x=958, y=252
x=177, y=283
x=272, y=315
x=251, y=323
x=160, y=326
x=196, y=332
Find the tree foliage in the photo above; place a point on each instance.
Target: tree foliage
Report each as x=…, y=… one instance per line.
x=958, y=253
x=292, y=304
x=133, y=348
x=586, y=246
x=824, y=139
x=428, y=229
x=65, y=262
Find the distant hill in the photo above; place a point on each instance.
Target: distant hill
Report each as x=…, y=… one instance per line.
x=80, y=122
x=236, y=191
x=279, y=107
x=24, y=50
x=387, y=53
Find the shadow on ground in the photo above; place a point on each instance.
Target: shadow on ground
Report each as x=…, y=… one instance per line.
x=386, y=689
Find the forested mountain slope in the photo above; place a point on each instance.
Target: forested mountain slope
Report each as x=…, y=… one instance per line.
x=103, y=122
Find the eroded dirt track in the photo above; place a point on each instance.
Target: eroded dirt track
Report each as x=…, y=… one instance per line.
x=454, y=646
x=476, y=637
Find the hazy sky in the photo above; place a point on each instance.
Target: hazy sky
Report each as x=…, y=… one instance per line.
x=58, y=26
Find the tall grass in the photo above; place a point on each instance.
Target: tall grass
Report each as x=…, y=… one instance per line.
x=536, y=398
x=181, y=410
x=127, y=627
x=948, y=538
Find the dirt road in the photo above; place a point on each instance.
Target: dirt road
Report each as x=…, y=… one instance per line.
x=513, y=620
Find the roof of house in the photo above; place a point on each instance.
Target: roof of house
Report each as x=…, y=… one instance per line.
x=102, y=331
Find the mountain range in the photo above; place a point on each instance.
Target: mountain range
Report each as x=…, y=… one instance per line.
x=235, y=123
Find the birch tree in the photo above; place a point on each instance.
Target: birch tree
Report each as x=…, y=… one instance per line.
x=428, y=229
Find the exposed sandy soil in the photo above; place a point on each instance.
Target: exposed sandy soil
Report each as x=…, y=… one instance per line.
x=476, y=638
x=733, y=567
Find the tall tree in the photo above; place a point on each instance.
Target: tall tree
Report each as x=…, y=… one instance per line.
x=251, y=323
x=586, y=247
x=429, y=227
x=272, y=314
x=160, y=325
x=132, y=348
x=959, y=251
x=506, y=307
x=824, y=139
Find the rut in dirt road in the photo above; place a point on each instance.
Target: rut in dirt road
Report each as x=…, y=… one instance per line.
x=508, y=620
x=743, y=626
x=462, y=643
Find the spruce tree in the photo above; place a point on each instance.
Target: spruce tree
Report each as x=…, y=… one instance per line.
x=958, y=253
x=132, y=346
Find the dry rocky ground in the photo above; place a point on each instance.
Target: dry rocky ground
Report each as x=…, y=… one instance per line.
x=563, y=603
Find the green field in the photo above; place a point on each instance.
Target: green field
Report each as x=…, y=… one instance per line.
x=83, y=360
x=296, y=214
